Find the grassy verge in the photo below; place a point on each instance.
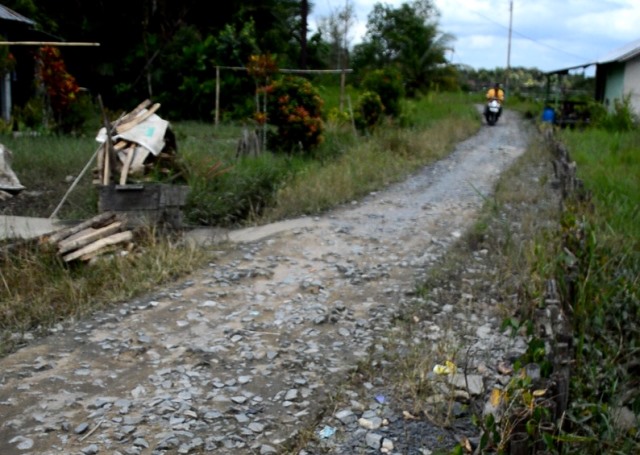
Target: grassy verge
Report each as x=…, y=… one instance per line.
x=438, y=123
x=600, y=264
x=591, y=250
x=39, y=291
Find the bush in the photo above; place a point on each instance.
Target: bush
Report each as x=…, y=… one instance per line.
x=295, y=110
x=622, y=118
x=369, y=111
x=387, y=83
x=231, y=197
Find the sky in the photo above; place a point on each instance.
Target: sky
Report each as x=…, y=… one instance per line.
x=545, y=34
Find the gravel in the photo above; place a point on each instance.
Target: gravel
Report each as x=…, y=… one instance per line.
x=256, y=353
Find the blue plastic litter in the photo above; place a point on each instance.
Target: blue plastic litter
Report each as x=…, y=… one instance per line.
x=327, y=432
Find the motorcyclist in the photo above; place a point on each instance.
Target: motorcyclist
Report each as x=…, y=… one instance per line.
x=497, y=93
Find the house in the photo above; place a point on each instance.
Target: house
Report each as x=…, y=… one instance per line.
x=13, y=27
x=617, y=76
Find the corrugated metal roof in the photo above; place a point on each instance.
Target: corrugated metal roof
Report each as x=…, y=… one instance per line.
x=10, y=15
x=622, y=54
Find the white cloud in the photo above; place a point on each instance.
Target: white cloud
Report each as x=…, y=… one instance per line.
x=547, y=34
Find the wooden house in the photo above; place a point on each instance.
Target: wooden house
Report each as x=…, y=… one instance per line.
x=13, y=27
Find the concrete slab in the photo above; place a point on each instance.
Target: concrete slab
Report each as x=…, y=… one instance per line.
x=23, y=227
x=212, y=235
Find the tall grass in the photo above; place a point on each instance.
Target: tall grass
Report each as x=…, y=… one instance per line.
x=437, y=124
x=608, y=162
x=39, y=290
x=598, y=262
x=47, y=165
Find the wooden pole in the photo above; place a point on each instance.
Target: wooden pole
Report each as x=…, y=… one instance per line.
x=45, y=43
x=217, y=115
x=108, y=152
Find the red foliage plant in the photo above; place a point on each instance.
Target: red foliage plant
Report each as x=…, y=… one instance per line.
x=61, y=86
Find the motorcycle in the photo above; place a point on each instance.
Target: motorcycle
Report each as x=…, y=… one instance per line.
x=492, y=111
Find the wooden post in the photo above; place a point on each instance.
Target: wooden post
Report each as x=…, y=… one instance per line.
x=342, y=84
x=108, y=152
x=217, y=114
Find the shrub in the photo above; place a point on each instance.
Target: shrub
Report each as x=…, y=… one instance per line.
x=231, y=196
x=295, y=110
x=622, y=118
x=387, y=83
x=369, y=111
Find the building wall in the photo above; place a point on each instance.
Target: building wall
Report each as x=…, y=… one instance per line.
x=632, y=82
x=614, y=85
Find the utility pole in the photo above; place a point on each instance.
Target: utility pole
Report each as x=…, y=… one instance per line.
x=506, y=78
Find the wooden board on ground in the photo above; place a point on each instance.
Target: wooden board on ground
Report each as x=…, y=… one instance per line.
x=114, y=239
x=88, y=236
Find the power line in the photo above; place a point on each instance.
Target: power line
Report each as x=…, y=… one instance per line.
x=529, y=38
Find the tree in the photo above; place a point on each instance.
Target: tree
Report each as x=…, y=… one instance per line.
x=408, y=38
x=334, y=30
x=168, y=49
x=304, y=29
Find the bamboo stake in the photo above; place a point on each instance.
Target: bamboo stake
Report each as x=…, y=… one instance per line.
x=75, y=182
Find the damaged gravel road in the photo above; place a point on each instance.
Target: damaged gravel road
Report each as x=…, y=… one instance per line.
x=243, y=355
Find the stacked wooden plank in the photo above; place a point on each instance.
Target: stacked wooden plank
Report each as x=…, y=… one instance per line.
x=120, y=159
x=104, y=233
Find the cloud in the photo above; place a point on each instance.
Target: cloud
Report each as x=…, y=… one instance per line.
x=546, y=34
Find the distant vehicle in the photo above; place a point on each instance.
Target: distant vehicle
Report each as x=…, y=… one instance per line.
x=492, y=111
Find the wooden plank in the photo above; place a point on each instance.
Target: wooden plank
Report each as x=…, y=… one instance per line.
x=137, y=165
x=97, y=245
x=89, y=237
x=127, y=164
x=101, y=156
x=77, y=235
x=101, y=251
x=137, y=120
x=125, y=118
x=66, y=232
x=121, y=145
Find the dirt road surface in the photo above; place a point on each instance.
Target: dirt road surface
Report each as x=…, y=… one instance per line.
x=238, y=357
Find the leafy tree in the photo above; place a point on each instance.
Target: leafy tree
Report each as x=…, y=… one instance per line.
x=408, y=38
x=168, y=49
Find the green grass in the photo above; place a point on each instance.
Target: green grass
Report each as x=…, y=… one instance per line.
x=47, y=166
x=597, y=264
x=610, y=166
x=437, y=124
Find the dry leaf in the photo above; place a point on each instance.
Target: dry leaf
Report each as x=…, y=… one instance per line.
x=504, y=368
x=408, y=416
x=466, y=444
x=496, y=397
